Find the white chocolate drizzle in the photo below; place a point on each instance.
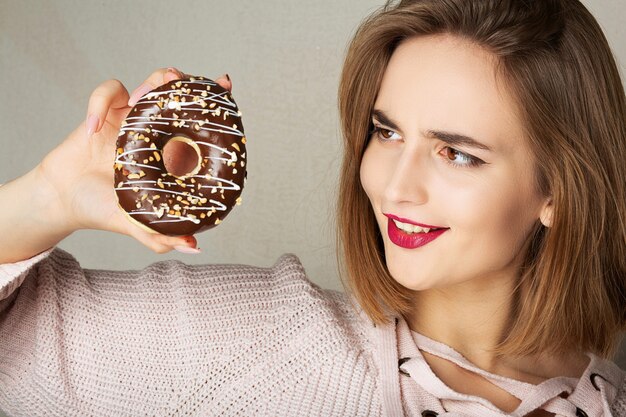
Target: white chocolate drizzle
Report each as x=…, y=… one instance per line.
x=211, y=110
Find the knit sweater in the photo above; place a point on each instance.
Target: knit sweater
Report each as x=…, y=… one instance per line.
x=233, y=340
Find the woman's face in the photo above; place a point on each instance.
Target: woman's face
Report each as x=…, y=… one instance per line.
x=448, y=151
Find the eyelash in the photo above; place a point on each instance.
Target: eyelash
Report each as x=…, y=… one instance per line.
x=473, y=161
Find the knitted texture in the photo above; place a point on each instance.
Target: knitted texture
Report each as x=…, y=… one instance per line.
x=214, y=340
x=181, y=340
x=619, y=406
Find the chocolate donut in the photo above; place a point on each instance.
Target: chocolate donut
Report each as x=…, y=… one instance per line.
x=194, y=117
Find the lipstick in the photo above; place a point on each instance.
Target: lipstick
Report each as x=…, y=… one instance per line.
x=400, y=219
x=412, y=240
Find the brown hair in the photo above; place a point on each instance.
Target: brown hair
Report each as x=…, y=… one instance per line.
x=559, y=67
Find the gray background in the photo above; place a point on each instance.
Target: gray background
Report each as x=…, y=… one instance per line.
x=284, y=58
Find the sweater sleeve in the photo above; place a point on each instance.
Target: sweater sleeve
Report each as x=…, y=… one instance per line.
x=12, y=275
x=172, y=339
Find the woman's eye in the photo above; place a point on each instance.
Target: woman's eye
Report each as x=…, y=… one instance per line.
x=385, y=134
x=459, y=159
x=452, y=156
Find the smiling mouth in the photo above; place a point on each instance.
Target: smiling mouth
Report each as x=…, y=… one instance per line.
x=411, y=228
x=408, y=225
x=411, y=235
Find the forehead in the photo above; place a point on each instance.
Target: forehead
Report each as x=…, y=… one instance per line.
x=444, y=82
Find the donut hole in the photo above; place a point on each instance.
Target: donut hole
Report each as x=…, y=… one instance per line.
x=181, y=157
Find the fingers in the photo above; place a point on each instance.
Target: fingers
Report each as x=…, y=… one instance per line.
x=225, y=81
x=121, y=222
x=173, y=74
x=110, y=94
x=165, y=75
x=156, y=79
x=113, y=95
x=162, y=244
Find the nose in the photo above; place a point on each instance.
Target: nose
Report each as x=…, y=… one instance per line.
x=408, y=179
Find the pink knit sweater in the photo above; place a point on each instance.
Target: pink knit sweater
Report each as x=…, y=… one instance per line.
x=232, y=340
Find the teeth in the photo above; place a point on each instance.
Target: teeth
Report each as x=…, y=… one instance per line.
x=410, y=228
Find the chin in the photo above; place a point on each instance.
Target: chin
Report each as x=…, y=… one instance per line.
x=409, y=277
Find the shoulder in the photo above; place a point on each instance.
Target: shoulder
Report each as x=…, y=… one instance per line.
x=226, y=296
x=235, y=293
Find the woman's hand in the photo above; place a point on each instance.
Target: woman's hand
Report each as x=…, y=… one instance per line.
x=79, y=172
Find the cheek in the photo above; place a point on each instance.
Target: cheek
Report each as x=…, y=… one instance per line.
x=372, y=174
x=497, y=218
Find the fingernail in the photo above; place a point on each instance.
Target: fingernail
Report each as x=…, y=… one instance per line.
x=175, y=71
x=92, y=124
x=142, y=90
x=187, y=249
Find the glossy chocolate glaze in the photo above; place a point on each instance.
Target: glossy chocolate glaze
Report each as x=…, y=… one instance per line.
x=197, y=109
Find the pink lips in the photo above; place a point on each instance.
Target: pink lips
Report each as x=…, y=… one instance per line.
x=400, y=219
x=413, y=240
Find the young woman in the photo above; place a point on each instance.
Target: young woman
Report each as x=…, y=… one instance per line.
x=481, y=225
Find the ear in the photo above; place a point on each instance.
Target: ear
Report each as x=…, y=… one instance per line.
x=545, y=216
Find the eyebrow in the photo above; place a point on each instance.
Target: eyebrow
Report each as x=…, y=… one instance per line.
x=450, y=138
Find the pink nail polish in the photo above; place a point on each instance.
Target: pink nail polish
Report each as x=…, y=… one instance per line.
x=187, y=249
x=92, y=124
x=141, y=91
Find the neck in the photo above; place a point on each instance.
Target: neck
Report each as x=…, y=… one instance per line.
x=470, y=317
x=473, y=317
